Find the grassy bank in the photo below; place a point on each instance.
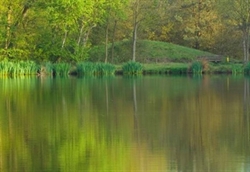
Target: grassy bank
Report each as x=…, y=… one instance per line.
x=152, y=58
x=186, y=68
x=9, y=68
x=146, y=52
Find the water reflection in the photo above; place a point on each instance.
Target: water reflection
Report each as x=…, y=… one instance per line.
x=125, y=124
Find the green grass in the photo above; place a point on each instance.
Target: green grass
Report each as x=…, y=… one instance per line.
x=196, y=67
x=132, y=68
x=61, y=69
x=14, y=68
x=168, y=68
x=152, y=57
x=105, y=69
x=85, y=68
x=147, y=52
x=230, y=68
x=91, y=69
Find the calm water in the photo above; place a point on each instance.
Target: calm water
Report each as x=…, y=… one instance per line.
x=145, y=124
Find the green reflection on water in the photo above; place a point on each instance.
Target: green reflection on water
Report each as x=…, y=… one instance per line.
x=124, y=124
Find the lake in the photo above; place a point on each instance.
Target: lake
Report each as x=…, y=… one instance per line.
x=125, y=124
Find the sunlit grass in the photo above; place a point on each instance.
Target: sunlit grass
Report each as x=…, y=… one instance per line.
x=18, y=68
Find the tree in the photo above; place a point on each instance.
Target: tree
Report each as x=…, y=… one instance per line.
x=115, y=12
x=141, y=11
x=58, y=28
x=196, y=23
x=237, y=15
x=74, y=28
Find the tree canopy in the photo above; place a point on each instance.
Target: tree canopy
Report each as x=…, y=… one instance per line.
x=66, y=29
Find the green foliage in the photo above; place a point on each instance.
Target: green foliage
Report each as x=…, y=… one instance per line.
x=247, y=68
x=46, y=69
x=6, y=67
x=85, y=68
x=196, y=67
x=105, y=69
x=90, y=68
x=17, y=54
x=169, y=68
x=237, y=69
x=18, y=68
x=132, y=68
x=61, y=69
x=80, y=53
x=48, y=30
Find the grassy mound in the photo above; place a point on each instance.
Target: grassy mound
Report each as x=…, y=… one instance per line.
x=147, y=52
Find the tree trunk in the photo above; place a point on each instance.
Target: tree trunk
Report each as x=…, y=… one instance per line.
x=136, y=23
x=134, y=40
x=64, y=39
x=86, y=35
x=106, y=42
x=80, y=35
x=14, y=22
x=8, y=28
x=113, y=41
x=246, y=45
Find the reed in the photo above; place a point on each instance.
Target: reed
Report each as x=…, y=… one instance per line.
x=91, y=69
x=60, y=69
x=132, y=68
x=196, y=67
x=5, y=67
x=85, y=68
x=18, y=68
x=105, y=69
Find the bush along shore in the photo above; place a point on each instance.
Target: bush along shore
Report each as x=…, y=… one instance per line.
x=28, y=68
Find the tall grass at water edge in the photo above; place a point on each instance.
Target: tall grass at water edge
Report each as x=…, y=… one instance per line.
x=169, y=68
x=90, y=69
x=196, y=67
x=132, y=68
x=61, y=69
x=18, y=68
x=105, y=69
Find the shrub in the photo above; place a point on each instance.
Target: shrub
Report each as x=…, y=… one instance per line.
x=132, y=68
x=196, y=67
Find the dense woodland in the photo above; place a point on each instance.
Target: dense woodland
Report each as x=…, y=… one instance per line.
x=65, y=30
